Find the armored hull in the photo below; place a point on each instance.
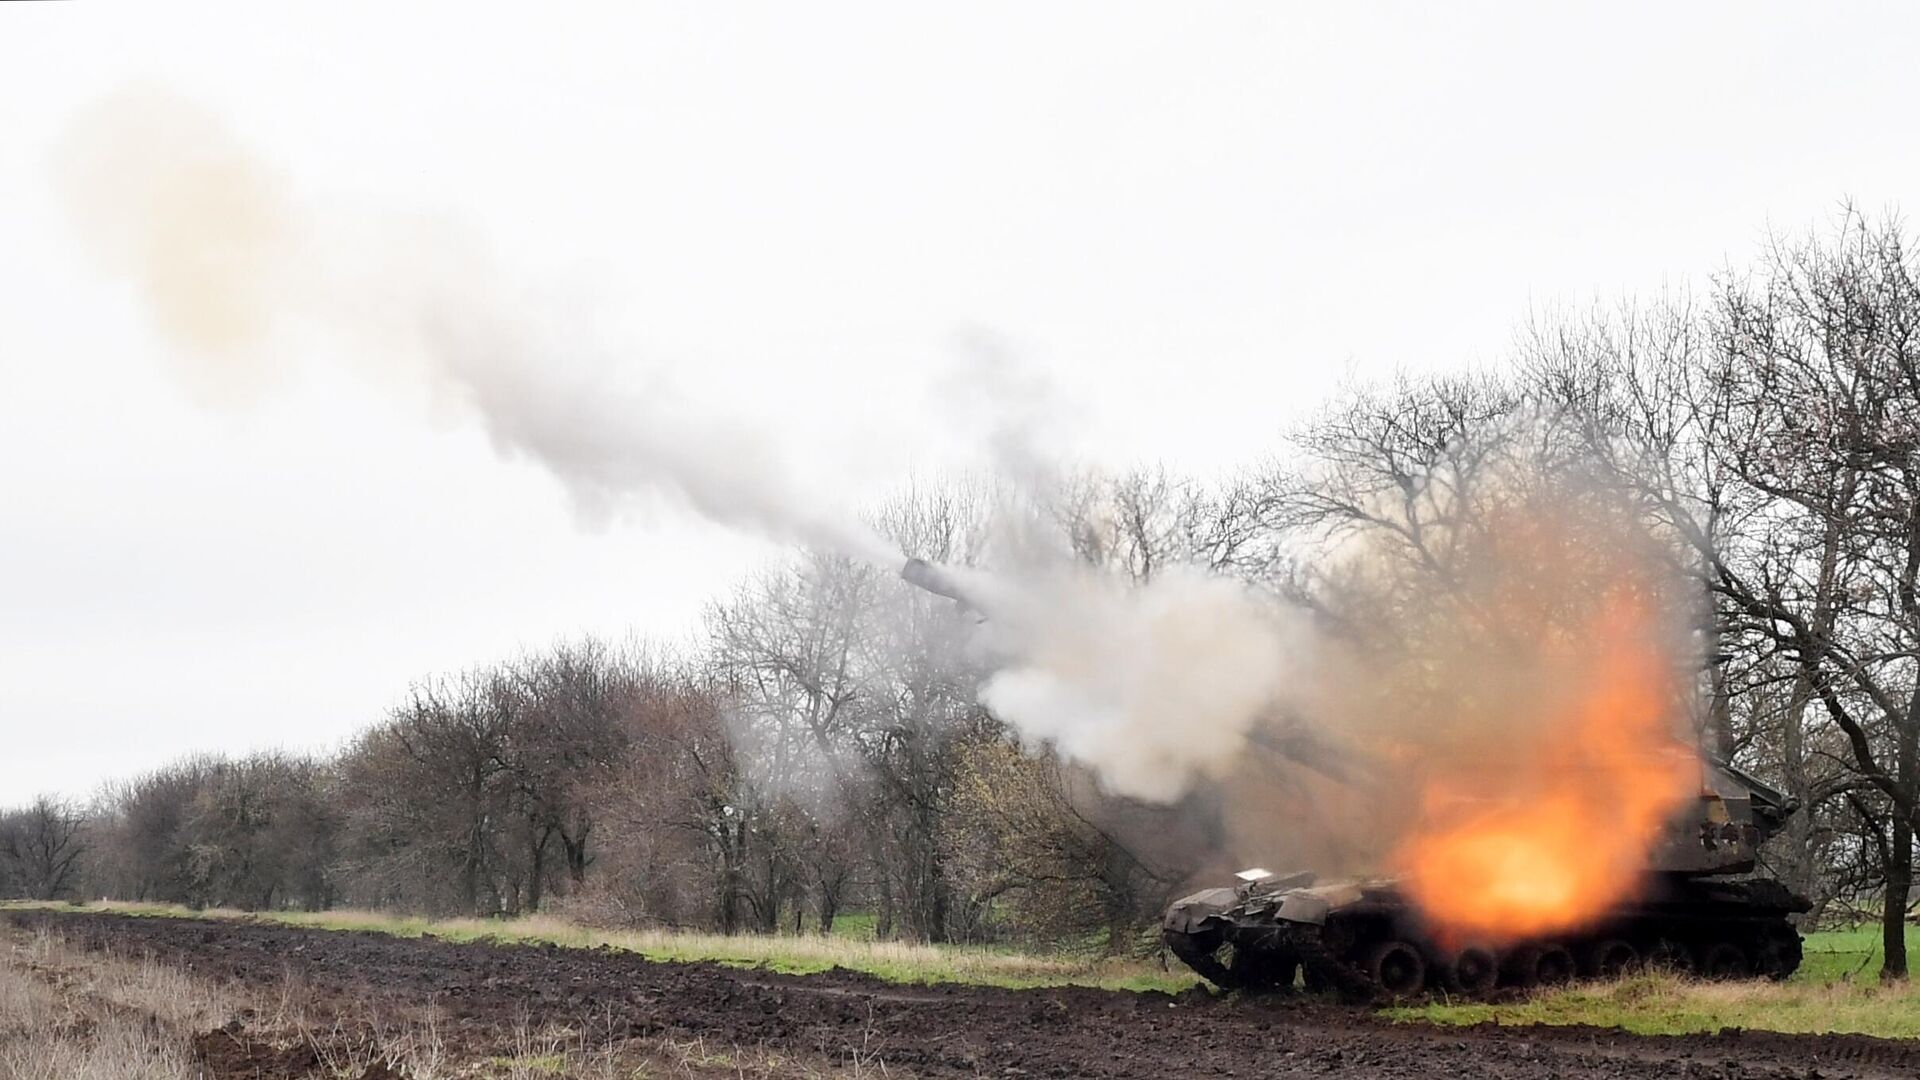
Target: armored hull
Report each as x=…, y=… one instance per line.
x=1366, y=939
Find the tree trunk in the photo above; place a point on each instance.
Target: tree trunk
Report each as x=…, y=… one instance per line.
x=538, y=857
x=731, y=876
x=883, y=921
x=476, y=841
x=729, y=903
x=575, y=847
x=769, y=910
x=1719, y=700
x=1793, y=742
x=1893, y=912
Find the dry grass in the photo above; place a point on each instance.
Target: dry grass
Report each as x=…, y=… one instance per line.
x=69, y=1014
x=105, y=1020
x=111, y=1050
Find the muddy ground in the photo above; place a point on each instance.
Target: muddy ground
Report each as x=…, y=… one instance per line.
x=480, y=994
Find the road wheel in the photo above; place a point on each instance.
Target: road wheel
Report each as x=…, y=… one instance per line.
x=1609, y=958
x=1471, y=972
x=1724, y=960
x=1545, y=964
x=1554, y=966
x=1516, y=967
x=1396, y=968
x=1669, y=955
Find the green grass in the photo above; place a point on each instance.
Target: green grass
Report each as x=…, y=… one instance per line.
x=855, y=950
x=1836, y=955
x=857, y=927
x=1836, y=989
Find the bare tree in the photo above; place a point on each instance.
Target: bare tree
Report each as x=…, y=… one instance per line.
x=429, y=798
x=1772, y=436
x=566, y=735
x=1826, y=345
x=1041, y=842
x=44, y=844
x=785, y=649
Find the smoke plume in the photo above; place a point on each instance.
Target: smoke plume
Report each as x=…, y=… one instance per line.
x=229, y=262
x=1151, y=685
x=1154, y=686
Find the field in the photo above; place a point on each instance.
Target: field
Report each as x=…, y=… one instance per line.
x=232, y=997
x=851, y=946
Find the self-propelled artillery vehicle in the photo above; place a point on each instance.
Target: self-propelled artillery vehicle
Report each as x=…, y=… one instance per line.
x=1697, y=910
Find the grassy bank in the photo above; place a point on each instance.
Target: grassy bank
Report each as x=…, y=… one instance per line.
x=790, y=953
x=1661, y=1004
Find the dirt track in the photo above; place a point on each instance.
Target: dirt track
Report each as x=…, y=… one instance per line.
x=483, y=991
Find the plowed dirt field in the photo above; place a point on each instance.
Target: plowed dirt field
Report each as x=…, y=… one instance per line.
x=482, y=993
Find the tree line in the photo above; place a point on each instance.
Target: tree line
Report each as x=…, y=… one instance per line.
x=822, y=752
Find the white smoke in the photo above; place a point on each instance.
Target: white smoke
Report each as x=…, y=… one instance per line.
x=225, y=258
x=1154, y=685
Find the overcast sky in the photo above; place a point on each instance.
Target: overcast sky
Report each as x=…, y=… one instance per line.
x=1192, y=219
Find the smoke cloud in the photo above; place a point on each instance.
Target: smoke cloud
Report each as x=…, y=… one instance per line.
x=228, y=262
x=1154, y=686
x=1512, y=709
x=166, y=196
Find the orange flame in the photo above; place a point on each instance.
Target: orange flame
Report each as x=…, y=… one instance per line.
x=1547, y=838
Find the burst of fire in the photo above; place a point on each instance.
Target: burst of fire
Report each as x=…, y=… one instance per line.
x=1551, y=835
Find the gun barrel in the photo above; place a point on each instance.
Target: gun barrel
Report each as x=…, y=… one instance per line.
x=925, y=575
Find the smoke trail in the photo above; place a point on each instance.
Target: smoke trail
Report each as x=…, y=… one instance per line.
x=225, y=258
x=1153, y=686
